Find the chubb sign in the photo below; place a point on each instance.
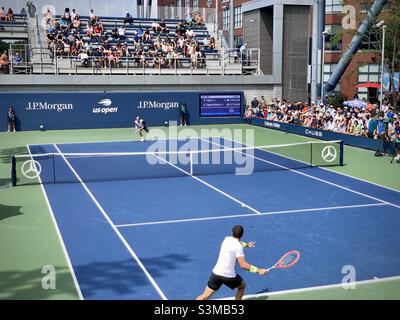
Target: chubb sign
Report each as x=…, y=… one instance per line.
x=59, y=107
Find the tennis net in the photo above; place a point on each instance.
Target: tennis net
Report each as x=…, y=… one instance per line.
x=243, y=160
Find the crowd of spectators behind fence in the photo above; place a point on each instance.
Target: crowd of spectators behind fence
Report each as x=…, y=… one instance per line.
x=368, y=121
x=99, y=47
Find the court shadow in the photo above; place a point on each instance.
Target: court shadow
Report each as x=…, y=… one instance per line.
x=9, y=211
x=5, y=183
x=125, y=279
x=6, y=154
x=21, y=285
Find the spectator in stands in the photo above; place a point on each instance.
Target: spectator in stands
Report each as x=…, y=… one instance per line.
x=3, y=14
x=248, y=114
x=163, y=27
x=10, y=15
x=73, y=14
x=48, y=15
x=76, y=23
x=212, y=43
x=206, y=42
x=199, y=20
x=89, y=31
x=67, y=15
x=4, y=63
x=92, y=16
x=189, y=19
x=155, y=26
x=23, y=13
x=128, y=19
x=121, y=33
x=17, y=59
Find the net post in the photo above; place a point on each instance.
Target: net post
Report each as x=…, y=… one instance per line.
x=13, y=171
x=311, y=157
x=341, y=162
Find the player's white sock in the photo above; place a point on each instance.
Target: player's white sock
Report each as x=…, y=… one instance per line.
x=142, y=139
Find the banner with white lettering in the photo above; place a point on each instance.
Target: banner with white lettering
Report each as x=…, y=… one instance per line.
x=69, y=110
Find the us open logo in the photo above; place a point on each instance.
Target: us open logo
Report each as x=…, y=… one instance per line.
x=107, y=108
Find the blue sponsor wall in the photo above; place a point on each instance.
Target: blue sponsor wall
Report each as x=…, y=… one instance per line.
x=85, y=110
x=356, y=141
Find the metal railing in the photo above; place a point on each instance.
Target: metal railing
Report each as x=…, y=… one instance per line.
x=41, y=60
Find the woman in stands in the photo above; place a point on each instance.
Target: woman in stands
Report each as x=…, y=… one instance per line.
x=89, y=31
x=10, y=15
x=76, y=24
x=2, y=14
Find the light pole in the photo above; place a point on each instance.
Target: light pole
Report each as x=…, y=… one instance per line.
x=381, y=24
x=322, y=64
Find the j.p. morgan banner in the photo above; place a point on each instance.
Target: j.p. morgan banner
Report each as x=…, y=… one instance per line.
x=68, y=110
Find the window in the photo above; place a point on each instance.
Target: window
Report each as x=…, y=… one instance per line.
x=187, y=6
x=195, y=4
x=333, y=39
x=367, y=73
x=333, y=6
x=225, y=19
x=328, y=69
x=238, y=17
x=238, y=41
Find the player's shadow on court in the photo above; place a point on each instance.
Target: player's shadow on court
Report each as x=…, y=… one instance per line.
x=9, y=211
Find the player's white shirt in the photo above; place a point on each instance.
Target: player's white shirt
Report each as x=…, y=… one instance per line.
x=231, y=248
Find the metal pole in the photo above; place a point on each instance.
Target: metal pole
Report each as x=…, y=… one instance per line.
x=322, y=66
x=382, y=65
x=314, y=53
x=216, y=16
x=231, y=25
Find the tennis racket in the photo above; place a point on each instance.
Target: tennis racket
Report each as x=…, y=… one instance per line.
x=289, y=259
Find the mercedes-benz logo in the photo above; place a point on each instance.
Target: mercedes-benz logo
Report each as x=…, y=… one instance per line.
x=329, y=153
x=31, y=169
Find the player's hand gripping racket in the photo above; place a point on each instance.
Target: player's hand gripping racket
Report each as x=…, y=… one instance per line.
x=289, y=259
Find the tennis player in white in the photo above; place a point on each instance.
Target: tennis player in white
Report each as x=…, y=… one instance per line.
x=224, y=271
x=141, y=126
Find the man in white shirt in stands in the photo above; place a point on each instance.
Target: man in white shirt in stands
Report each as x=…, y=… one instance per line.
x=224, y=271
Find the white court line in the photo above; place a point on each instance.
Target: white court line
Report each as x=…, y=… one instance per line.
x=249, y=215
x=329, y=286
x=64, y=249
x=128, y=247
x=211, y=186
x=315, y=178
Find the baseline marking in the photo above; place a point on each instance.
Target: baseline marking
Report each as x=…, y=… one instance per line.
x=329, y=286
x=128, y=247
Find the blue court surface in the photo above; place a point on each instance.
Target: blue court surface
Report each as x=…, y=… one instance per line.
x=156, y=234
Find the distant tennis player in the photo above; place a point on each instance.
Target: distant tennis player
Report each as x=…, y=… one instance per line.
x=224, y=271
x=141, y=127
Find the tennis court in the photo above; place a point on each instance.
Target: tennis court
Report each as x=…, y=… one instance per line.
x=153, y=232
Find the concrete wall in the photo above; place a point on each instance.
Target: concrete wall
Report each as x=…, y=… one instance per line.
x=250, y=85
